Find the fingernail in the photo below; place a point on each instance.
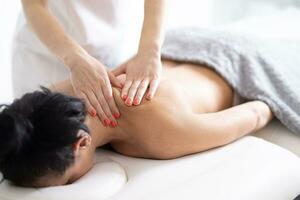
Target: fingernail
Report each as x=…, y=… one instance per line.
x=136, y=101
x=113, y=124
x=149, y=97
x=128, y=101
x=124, y=97
x=117, y=115
x=106, y=122
x=93, y=113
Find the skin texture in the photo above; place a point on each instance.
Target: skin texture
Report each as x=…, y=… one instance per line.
x=186, y=117
x=89, y=78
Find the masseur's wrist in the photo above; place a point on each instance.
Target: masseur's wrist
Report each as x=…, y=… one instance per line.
x=74, y=57
x=152, y=50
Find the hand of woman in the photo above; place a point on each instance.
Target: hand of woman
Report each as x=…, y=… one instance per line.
x=142, y=71
x=91, y=82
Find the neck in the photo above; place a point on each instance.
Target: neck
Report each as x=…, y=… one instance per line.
x=102, y=135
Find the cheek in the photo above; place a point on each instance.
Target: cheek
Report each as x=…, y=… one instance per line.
x=85, y=165
x=81, y=167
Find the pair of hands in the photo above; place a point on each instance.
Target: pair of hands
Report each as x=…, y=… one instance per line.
x=92, y=82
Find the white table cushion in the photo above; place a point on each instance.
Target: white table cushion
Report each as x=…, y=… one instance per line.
x=247, y=169
x=277, y=133
x=106, y=178
x=250, y=168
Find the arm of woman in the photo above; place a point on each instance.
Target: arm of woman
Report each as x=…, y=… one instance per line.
x=50, y=32
x=200, y=132
x=144, y=69
x=153, y=26
x=89, y=77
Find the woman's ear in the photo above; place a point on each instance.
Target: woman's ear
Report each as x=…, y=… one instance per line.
x=84, y=141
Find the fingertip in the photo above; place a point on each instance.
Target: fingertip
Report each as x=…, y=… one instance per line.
x=128, y=101
x=124, y=97
x=106, y=122
x=136, y=101
x=113, y=124
x=93, y=112
x=149, y=97
x=117, y=115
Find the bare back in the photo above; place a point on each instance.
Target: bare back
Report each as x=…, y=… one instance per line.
x=184, y=89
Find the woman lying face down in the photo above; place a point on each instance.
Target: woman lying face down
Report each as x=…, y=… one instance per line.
x=47, y=139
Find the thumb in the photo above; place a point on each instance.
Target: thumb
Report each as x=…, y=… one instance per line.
x=114, y=80
x=119, y=70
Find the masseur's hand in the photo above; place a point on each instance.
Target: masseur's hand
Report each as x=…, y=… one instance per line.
x=91, y=82
x=142, y=71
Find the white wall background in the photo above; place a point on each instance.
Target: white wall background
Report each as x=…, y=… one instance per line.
x=182, y=13
x=8, y=16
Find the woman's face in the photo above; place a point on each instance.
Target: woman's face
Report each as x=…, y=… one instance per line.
x=82, y=164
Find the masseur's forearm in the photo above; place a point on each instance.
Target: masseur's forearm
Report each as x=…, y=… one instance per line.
x=153, y=27
x=50, y=32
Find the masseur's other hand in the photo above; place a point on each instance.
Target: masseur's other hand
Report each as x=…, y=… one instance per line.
x=142, y=71
x=91, y=82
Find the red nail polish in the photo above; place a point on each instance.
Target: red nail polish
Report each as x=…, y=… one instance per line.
x=106, y=122
x=113, y=124
x=93, y=113
x=117, y=115
x=136, y=101
x=124, y=97
x=128, y=102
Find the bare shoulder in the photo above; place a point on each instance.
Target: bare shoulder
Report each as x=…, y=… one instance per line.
x=149, y=125
x=168, y=96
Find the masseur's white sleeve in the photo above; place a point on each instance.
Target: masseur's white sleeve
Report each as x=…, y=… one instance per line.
x=107, y=30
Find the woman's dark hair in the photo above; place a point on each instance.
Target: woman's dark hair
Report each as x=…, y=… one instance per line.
x=36, y=135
